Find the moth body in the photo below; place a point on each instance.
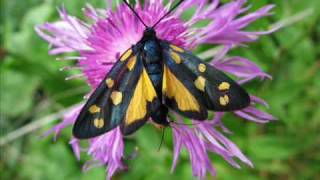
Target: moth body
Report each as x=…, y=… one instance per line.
x=152, y=60
x=151, y=78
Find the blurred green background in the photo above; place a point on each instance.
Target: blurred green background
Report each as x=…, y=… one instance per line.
x=33, y=92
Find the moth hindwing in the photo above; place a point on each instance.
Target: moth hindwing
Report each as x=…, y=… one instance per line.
x=211, y=89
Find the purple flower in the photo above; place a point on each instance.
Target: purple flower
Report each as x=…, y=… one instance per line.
x=110, y=32
x=107, y=149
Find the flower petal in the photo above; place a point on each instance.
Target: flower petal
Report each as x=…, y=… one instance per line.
x=251, y=113
x=108, y=149
x=200, y=161
x=75, y=147
x=68, y=119
x=242, y=68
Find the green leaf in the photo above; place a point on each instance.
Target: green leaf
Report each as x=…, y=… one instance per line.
x=17, y=92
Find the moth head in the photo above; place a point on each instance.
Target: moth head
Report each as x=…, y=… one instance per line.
x=149, y=32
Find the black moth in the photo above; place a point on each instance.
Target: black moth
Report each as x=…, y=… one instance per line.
x=150, y=78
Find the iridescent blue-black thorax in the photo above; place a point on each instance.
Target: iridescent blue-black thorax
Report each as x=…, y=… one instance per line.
x=152, y=57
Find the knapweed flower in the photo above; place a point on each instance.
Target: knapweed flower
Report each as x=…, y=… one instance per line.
x=100, y=42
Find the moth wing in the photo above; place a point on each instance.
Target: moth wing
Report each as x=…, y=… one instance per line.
x=211, y=87
x=105, y=108
x=142, y=103
x=178, y=89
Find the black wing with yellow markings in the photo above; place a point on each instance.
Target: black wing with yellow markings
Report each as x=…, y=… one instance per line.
x=200, y=85
x=179, y=93
x=142, y=102
x=114, y=102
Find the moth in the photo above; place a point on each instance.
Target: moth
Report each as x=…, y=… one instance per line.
x=151, y=78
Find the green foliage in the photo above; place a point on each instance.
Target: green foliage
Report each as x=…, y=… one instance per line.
x=32, y=86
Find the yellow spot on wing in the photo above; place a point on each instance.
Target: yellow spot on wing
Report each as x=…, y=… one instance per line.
x=224, y=86
x=143, y=93
x=94, y=109
x=116, y=97
x=176, y=57
x=98, y=123
x=200, y=83
x=109, y=83
x=132, y=63
x=173, y=88
x=224, y=100
x=176, y=48
x=202, y=67
x=126, y=55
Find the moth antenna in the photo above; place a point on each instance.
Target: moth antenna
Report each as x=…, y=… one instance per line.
x=172, y=9
x=162, y=138
x=135, y=13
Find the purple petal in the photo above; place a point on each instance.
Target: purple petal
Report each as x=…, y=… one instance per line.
x=75, y=147
x=217, y=121
x=68, y=119
x=226, y=28
x=183, y=135
x=246, y=20
x=251, y=113
x=257, y=100
x=108, y=149
x=225, y=147
x=242, y=68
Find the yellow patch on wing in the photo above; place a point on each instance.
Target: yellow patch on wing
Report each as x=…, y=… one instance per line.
x=116, y=97
x=176, y=48
x=174, y=89
x=132, y=63
x=176, y=57
x=224, y=100
x=126, y=55
x=224, y=86
x=202, y=67
x=109, y=83
x=94, y=109
x=143, y=94
x=200, y=83
x=98, y=123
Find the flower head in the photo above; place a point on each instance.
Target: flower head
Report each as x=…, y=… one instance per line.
x=100, y=44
